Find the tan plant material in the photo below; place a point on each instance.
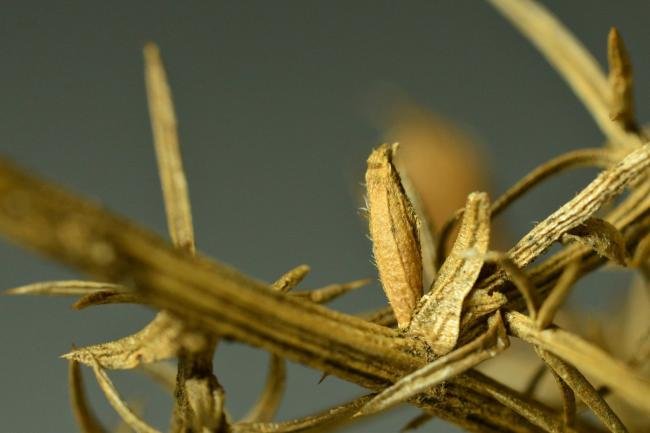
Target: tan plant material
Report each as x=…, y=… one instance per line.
x=621, y=81
x=114, y=398
x=521, y=281
x=422, y=349
x=556, y=297
x=593, y=360
x=438, y=316
x=331, y=418
x=291, y=279
x=331, y=291
x=569, y=408
x=86, y=419
x=198, y=405
x=65, y=288
x=484, y=347
x=394, y=233
x=576, y=211
x=582, y=388
x=105, y=297
x=603, y=237
x=161, y=339
x=170, y=163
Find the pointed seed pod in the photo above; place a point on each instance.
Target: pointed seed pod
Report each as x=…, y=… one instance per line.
x=394, y=233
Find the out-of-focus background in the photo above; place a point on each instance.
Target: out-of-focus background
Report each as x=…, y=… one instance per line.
x=279, y=104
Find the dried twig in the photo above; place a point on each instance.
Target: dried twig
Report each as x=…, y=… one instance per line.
x=87, y=421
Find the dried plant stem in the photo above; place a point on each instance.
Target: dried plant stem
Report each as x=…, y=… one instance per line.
x=201, y=291
x=520, y=280
x=589, y=157
x=571, y=59
x=129, y=417
x=572, y=377
x=198, y=394
x=484, y=347
x=86, y=420
x=600, y=191
x=531, y=410
x=592, y=359
x=310, y=423
x=557, y=296
x=568, y=402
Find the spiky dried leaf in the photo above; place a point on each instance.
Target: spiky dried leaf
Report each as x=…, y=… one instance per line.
x=105, y=297
x=290, y=279
x=438, y=316
x=621, y=81
x=394, y=233
x=332, y=291
x=65, y=288
x=161, y=339
x=170, y=163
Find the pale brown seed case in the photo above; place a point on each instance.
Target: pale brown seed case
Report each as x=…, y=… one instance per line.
x=439, y=314
x=394, y=233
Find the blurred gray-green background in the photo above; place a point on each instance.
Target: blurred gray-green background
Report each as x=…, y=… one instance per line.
x=273, y=100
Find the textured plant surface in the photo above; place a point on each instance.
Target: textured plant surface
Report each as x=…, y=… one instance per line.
x=455, y=301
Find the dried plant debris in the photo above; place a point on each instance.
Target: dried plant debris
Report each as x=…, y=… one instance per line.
x=583, y=389
x=170, y=165
x=105, y=297
x=423, y=348
x=394, y=233
x=114, y=398
x=621, y=82
x=65, y=288
x=484, y=347
x=161, y=339
x=332, y=291
x=438, y=316
x=87, y=421
x=603, y=237
x=291, y=279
